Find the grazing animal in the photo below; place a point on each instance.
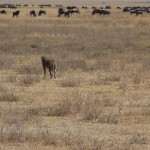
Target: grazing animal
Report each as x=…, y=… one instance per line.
x=93, y=7
x=100, y=12
x=50, y=65
x=118, y=7
x=32, y=13
x=105, y=12
x=95, y=11
x=12, y=7
x=108, y=7
x=62, y=11
x=3, y=12
x=139, y=13
x=71, y=7
x=16, y=13
x=67, y=13
x=26, y=5
x=132, y=12
x=84, y=7
x=136, y=12
x=41, y=12
x=126, y=9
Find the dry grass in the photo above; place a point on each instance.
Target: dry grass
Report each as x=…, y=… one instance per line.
x=100, y=98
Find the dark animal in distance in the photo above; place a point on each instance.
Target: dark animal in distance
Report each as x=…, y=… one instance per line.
x=108, y=7
x=16, y=13
x=3, y=12
x=32, y=13
x=18, y=5
x=118, y=7
x=41, y=12
x=136, y=12
x=139, y=13
x=67, y=13
x=12, y=7
x=73, y=9
x=93, y=7
x=95, y=11
x=25, y=5
x=58, y=5
x=63, y=11
x=50, y=64
x=100, y=12
x=44, y=5
x=84, y=7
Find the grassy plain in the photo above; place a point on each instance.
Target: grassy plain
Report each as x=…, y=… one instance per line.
x=100, y=99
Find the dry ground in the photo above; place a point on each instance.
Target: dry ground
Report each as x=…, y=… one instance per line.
x=100, y=99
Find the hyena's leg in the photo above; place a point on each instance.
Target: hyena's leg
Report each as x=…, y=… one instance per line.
x=44, y=69
x=54, y=72
x=50, y=71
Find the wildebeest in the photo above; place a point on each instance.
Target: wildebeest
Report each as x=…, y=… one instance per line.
x=41, y=12
x=12, y=7
x=44, y=5
x=118, y=7
x=148, y=11
x=18, y=5
x=95, y=11
x=136, y=12
x=132, y=12
x=50, y=64
x=67, y=13
x=16, y=13
x=108, y=7
x=3, y=12
x=93, y=7
x=126, y=9
x=71, y=7
x=58, y=5
x=100, y=12
x=25, y=5
x=32, y=13
x=63, y=11
x=139, y=13
x=84, y=7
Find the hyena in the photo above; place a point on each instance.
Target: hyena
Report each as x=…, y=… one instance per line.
x=50, y=64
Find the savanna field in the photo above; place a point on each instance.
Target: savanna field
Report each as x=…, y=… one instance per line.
x=100, y=99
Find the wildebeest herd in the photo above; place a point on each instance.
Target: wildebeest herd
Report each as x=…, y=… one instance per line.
x=138, y=10
x=69, y=10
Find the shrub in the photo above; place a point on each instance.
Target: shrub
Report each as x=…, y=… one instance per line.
x=8, y=97
x=29, y=79
x=71, y=81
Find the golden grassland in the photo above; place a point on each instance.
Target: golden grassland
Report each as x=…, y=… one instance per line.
x=100, y=99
